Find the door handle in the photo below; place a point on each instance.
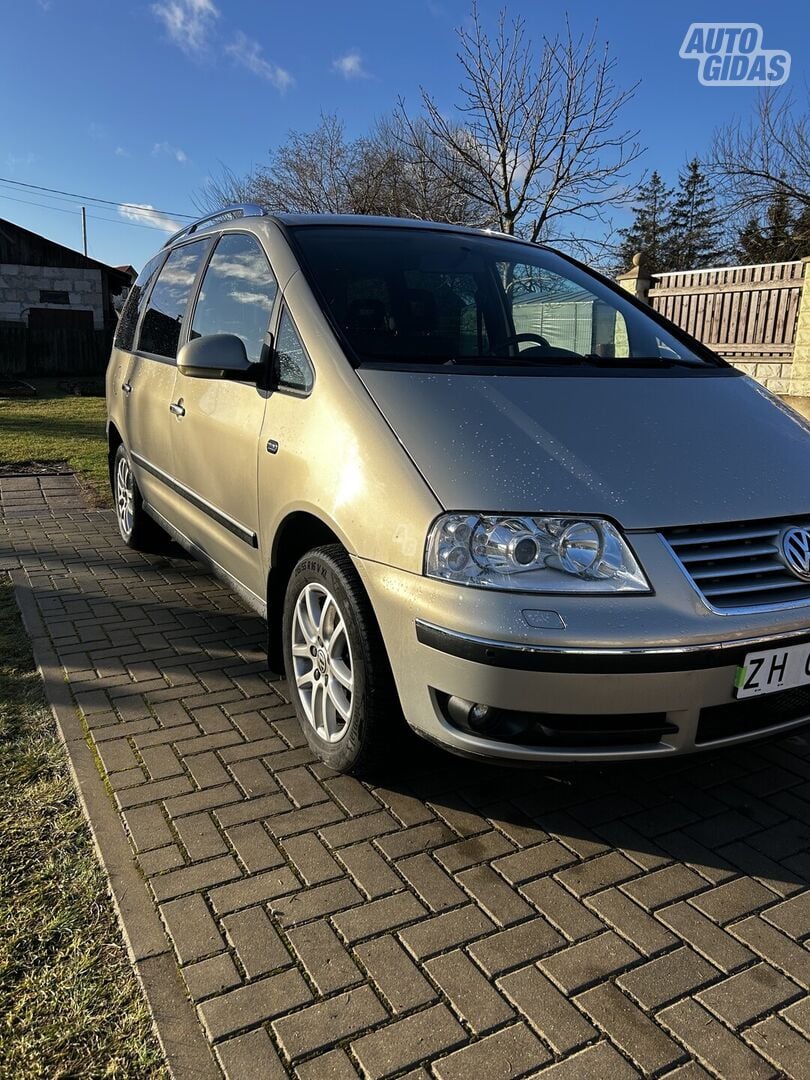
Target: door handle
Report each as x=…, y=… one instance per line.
x=126, y=387
x=177, y=409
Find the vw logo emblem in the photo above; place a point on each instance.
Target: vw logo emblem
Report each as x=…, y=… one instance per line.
x=795, y=551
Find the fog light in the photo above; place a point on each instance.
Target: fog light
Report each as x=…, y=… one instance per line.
x=468, y=714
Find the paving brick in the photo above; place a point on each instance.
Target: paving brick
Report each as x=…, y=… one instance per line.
x=515, y=947
x=549, y=1012
x=445, y=931
x=631, y=922
x=316, y=902
x=249, y=1056
x=301, y=821
x=472, y=996
x=598, y=873
x=533, y=862
x=336, y=1065
x=148, y=828
x=499, y=900
x=310, y=858
x=320, y=1026
x=195, y=877
x=712, y=1043
x=377, y=916
x=200, y=836
x=433, y=886
x=668, y=977
x=152, y=791
x=798, y=1016
x=323, y=957
x=253, y=810
x=418, y=838
x=212, y=976
x=473, y=850
x=254, y=847
x=792, y=916
x=630, y=1029
x=192, y=928
x=732, y=901
x=369, y=870
x=599, y=1062
x=253, y=778
x=351, y=795
x=208, y=799
x=406, y=1042
x=267, y=885
x=784, y=1048
x=715, y=944
x=776, y=948
x=253, y=1004
x=570, y=916
x=665, y=886
x=257, y=944
x=749, y=994
x=577, y=966
x=394, y=974
x=160, y=860
x=509, y=1053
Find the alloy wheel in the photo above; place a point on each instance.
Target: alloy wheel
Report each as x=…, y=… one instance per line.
x=322, y=662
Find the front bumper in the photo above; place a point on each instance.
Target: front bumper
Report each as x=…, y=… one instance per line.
x=598, y=663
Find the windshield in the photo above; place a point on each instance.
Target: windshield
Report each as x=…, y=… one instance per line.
x=402, y=295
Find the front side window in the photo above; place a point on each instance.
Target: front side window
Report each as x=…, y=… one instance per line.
x=432, y=297
x=160, y=329
x=133, y=306
x=237, y=294
x=293, y=370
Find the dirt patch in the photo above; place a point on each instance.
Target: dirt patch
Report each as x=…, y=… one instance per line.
x=35, y=468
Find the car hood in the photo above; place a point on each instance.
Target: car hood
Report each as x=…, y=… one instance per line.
x=648, y=451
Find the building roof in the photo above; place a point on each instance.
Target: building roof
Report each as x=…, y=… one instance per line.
x=25, y=248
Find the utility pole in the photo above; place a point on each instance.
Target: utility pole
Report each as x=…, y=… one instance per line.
x=84, y=230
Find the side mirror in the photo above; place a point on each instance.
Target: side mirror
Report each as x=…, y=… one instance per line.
x=213, y=356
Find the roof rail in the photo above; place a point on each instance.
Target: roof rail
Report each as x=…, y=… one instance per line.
x=237, y=210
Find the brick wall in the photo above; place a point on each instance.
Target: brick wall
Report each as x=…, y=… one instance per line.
x=20, y=288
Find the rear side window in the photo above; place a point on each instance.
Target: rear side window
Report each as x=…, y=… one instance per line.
x=237, y=294
x=293, y=370
x=131, y=311
x=160, y=329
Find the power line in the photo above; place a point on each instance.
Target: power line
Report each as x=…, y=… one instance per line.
x=92, y=198
x=94, y=217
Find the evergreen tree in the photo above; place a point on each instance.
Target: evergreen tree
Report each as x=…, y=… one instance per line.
x=650, y=232
x=780, y=238
x=696, y=226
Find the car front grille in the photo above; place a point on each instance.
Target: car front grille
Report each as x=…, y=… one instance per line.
x=738, y=565
x=745, y=717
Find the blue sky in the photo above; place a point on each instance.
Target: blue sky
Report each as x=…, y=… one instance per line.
x=140, y=100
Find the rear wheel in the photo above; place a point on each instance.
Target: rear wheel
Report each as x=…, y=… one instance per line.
x=137, y=529
x=338, y=672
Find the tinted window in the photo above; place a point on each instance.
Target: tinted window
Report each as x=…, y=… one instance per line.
x=131, y=312
x=292, y=367
x=428, y=296
x=237, y=293
x=160, y=329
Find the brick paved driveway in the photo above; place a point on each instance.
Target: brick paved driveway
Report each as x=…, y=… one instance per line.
x=452, y=920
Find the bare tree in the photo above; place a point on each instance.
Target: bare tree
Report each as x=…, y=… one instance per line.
x=534, y=140
x=765, y=156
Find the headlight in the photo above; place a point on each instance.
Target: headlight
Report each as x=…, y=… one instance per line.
x=532, y=554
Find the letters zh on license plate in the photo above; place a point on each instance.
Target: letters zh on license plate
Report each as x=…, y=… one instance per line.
x=773, y=669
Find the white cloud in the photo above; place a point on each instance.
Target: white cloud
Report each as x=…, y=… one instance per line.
x=350, y=66
x=170, y=151
x=248, y=54
x=187, y=22
x=121, y=151
x=144, y=214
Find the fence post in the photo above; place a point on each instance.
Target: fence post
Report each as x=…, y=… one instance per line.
x=636, y=280
x=800, y=369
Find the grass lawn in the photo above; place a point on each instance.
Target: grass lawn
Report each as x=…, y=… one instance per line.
x=58, y=427
x=70, y=1005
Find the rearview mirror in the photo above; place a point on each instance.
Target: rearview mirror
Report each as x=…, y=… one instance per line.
x=213, y=356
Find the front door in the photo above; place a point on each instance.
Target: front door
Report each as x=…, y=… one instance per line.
x=215, y=439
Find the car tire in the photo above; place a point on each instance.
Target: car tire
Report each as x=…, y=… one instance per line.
x=137, y=529
x=336, y=665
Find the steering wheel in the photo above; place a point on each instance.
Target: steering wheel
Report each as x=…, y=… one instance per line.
x=516, y=339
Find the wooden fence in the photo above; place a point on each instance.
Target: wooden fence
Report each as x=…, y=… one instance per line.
x=746, y=313
x=31, y=351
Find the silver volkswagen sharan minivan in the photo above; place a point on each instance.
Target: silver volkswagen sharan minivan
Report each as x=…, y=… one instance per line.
x=468, y=482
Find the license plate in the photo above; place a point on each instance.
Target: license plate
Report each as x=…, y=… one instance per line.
x=773, y=669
